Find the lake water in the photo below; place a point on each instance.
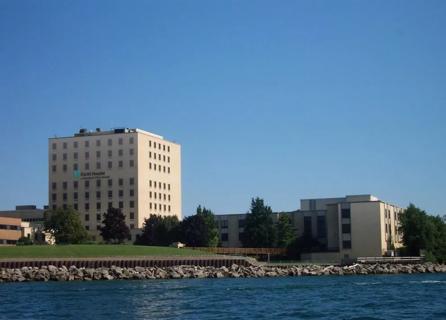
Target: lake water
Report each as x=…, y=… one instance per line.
x=329, y=297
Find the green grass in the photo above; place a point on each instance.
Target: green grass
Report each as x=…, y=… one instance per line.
x=93, y=250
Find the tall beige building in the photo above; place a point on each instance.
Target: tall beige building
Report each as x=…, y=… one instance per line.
x=131, y=169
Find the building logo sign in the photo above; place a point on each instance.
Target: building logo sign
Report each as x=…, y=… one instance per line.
x=77, y=174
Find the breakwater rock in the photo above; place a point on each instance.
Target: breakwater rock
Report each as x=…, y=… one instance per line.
x=52, y=273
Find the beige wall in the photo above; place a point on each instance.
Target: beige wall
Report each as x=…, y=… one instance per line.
x=136, y=150
x=10, y=229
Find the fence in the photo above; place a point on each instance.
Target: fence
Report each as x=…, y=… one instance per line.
x=402, y=260
x=244, y=251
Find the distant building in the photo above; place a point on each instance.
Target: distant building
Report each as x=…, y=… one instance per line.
x=12, y=229
x=344, y=228
x=27, y=213
x=131, y=169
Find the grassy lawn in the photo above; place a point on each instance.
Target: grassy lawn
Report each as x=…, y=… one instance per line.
x=87, y=251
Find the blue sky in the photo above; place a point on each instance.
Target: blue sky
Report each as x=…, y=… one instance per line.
x=278, y=99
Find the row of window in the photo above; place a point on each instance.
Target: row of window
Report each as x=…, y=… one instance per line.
x=3, y=241
x=9, y=227
x=98, y=227
x=154, y=195
x=152, y=206
x=97, y=167
x=98, y=183
x=98, y=154
x=98, y=143
x=99, y=216
x=159, y=185
x=87, y=143
x=160, y=157
x=160, y=168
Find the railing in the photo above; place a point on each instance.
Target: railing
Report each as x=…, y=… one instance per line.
x=390, y=259
x=243, y=251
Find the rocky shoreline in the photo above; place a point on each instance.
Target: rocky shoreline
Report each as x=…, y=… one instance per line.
x=52, y=273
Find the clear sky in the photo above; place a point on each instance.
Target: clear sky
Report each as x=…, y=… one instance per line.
x=278, y=99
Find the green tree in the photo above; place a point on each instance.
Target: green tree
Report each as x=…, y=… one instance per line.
x=66, y=226
x=159, y=231
x=114, y=229
x=259, y=226
x=286, y=233
x=200, y=230
x=423, y=232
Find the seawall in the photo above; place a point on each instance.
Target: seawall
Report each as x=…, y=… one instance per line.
x=72, y=273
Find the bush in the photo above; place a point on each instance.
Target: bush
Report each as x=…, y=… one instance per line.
x=24, y=241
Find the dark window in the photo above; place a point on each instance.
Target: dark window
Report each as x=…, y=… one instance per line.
x=64, y=145
x=132, y=204
x=87, y=195
x=75, y=144
x=87, y=155
x=345, y=213
x=98, y=217
x=87, y=143
x=98, y=194
x=240, y=236
x=75, y=167
x=224, y=237
x=98, y=154
x=64, y=185
x=131, y=140
x=64, y=156
x=120, y=140
x=87, y=184
x=132, y=226
x=131, y=163
x=64, y=196
x=98, y=183
x=54, y=146
x=120, y=164
x=346, y=228
x=132, y=192
x=241, y=223
x=54, y=157
x=98, y=143
x=98, y=206
x=98, y=165
x=110, y=205
x=307, y=226
x=75, y=196
x=110, y=164
x=54, y=185
x=132, y=215
x=75, y=206
x=87, y=228
x=53, y=168
x=64, y=168
x=109, y=142
x=75, y=156
x=223, y=224
x=132, y=181
x=346, y=244
x=87, y=217
x=75, y=184
x=54, y=197
x=120, y=182
x=121, y=204
x=87, y=166
x=110, y=194
x=87, y=206
x=110, y=182
x=321, y=227
x=121, y=193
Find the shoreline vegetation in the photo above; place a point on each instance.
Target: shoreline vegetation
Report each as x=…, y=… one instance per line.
x=72, y=273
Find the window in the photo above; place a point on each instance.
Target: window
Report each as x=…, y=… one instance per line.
x=346, y=244
x=168, y=186
x=98, y=217
x=87, y=217
x=345, y=213
x=168, y=159
x=159, y=146
x=168, y=197
x=86, y=183
x=168, y=208
x=132, y=215
x=54, y=157
x=346, y=228
x=110, y=182
x=131, y=192
x=87, y=206
x=75, y=196
x=64, y=185
x=87, y=143
x=120, y=141
x=150, y=183
x=54, y=197
x=164, y=158
x=98, y=206
x=120, y=164
x=154, y=144
x=120, y=182
x=98, y=227
x=110, y=153
x=75, y=206
x=64, y=145
x=54, y=146
x=98, y=183
x=110, y=164
x=159, y=156
x=87, y=228
x=87, y=166
x=131, y=152
x=150, y=166
x=168, y=169
x=110, y=194
x=321, y=227
x=168, y=149
x=110, y=205
x=53, y=168
x=150, y=143
x=131, y=163
x=53, y=185
x=87, y=195
x=307, y=226
x=75, y=144
x=132, y=226
x=150, y=154
x=98, y=194
x=120, y=152
x=75, y=184
x=241, y=223
x=155, y=194
x=64, y=168
x=132, y=181
x=150, y=194
x=87, y=155
x=121, y=204
x=132, y=204
x=224, y=237
x=224, y=224
x=150, y=205
x=98, y=154
x=98, y=143
x=131, y=140
x=98, y=165
x=164, y=147
x=109, y=142
x=121, y=193
x=75, y=167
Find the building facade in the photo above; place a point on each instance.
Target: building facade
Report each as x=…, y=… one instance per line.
x=131, y=169
x=12, y=229
x=27, y=213
x=343, y=228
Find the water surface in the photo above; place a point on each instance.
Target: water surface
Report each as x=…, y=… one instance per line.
x=328, y=297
